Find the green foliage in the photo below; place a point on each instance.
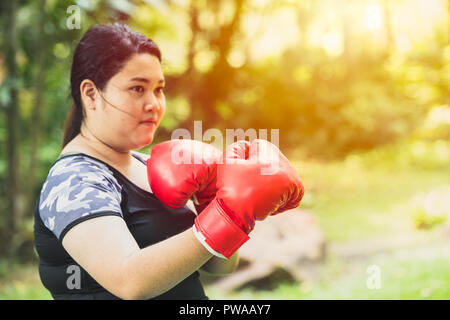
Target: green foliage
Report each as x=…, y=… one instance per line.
x=21, y=282
x=370, y=107
x=431, y=209
x=330, y=108
x=427, y=220
x=374, y=193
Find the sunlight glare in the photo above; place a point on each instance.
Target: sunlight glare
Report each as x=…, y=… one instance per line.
x=374, y=17
x=332, y=43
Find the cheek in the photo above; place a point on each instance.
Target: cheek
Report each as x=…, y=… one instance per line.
x=128, y=113
x=162, y=111
x=125, y=104
x=121, y=126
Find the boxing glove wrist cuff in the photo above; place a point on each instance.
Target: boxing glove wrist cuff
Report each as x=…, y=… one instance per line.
x=200, y=237
x=218, y=233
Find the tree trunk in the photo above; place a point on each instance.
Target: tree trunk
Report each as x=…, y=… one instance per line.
x=346, y=34
x=36, y=123
x=390, y=41
x=12, y=180
x=304, y=12
x=448, y=20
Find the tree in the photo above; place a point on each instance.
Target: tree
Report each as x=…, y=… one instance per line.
x=11, y=109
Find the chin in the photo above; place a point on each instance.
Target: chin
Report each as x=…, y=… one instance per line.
x=144, y=139
x=146, y=142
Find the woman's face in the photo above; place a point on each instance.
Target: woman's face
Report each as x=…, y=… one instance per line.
x=132, y=104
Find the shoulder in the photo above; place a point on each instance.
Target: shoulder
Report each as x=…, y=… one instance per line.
x=77, y=186
x=72, y=169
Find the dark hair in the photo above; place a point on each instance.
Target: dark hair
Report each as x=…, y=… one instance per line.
x=100, y=54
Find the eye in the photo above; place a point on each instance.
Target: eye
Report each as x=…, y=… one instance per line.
x=138, y=89
x=160, y=90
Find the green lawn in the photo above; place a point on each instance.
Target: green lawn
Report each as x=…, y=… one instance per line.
x=354, y=203
x=422, y=274
x=21, y=282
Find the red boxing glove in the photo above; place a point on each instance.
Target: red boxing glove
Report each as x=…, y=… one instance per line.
x=180, y=169
x=247, y=192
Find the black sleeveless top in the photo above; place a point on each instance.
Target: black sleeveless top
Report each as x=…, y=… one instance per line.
x=80, y=187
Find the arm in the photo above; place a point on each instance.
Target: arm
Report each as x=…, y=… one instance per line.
x=218, y=266
x=105, y=248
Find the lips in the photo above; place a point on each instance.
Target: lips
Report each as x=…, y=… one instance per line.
x=149, y=121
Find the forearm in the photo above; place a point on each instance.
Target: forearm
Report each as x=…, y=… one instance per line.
x=219, y=266
x=177, y=258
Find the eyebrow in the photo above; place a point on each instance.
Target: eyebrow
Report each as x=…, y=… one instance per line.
x=140, y=79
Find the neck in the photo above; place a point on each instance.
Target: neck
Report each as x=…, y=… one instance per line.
x=101, y=149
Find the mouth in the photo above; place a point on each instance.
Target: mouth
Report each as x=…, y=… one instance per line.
x=149, y=122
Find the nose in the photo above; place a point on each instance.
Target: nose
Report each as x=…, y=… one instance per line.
x=152, y=107
x=153, y=103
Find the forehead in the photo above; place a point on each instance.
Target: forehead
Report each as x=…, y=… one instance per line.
x=142, y=65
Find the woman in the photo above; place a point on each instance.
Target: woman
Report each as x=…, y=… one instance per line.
x=98, y=226
x=100, y=232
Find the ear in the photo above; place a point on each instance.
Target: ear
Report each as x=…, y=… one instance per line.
x=88, y=92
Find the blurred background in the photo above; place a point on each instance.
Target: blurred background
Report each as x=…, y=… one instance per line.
x=358, y=89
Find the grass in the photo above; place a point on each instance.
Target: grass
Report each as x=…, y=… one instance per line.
x=21, y=282
x=353, y=202
x=404, y=275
